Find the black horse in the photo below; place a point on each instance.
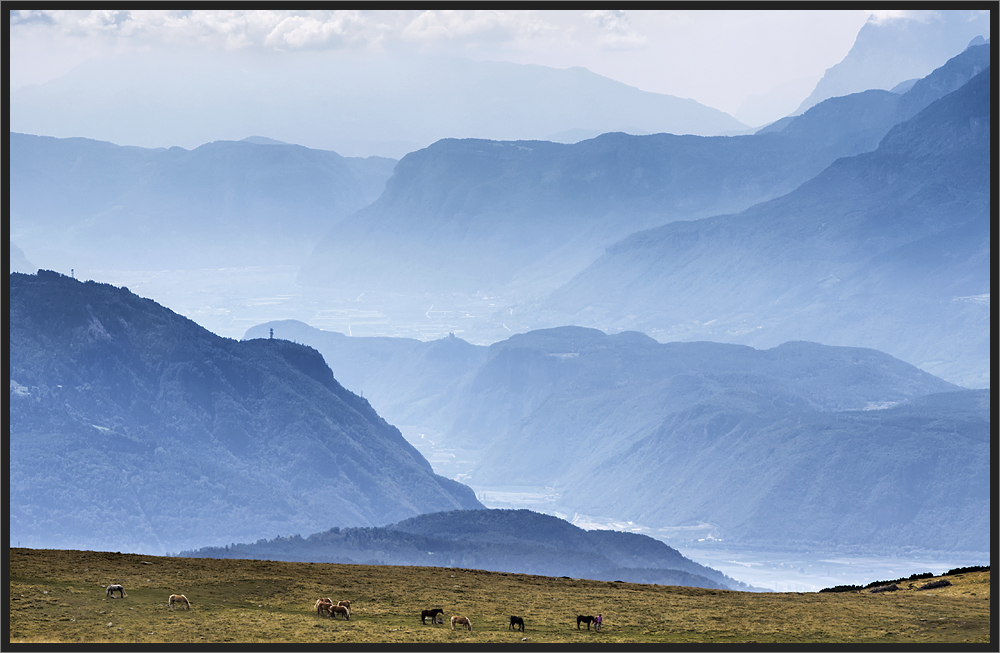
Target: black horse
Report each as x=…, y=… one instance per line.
x=580, y=619
x=430, y=613
x=516, y=621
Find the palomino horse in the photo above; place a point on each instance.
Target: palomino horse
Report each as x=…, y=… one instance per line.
x=430, y=613
x=585, y=620
x=178, y=599
x=339, y=609
x=516, y=621
x=461, y=621
x=116, y=588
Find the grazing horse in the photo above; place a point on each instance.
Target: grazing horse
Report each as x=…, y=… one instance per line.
x=345, y=603
x=178, y=599
x=323, y=605
x=116, y=588
x=430, y=613
x=516, y=621
x=461, y=621
x=580, y=619
x=339, y=609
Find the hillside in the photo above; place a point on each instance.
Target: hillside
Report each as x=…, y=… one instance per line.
x=474, y=215
x=518, y=541
x=132, y=428
x=888, y=250
x=59, y=596
x=104, y=206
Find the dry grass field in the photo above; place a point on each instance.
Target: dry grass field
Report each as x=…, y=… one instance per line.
x=59, y=596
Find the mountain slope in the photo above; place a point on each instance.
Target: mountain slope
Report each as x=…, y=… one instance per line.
x=888, y=250
x=224, y=203
x=133, y=428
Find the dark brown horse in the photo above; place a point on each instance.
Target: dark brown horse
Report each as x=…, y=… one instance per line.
x=580, y=619
x=430, y=613
x=516, y=621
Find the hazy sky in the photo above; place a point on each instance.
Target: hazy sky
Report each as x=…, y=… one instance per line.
x=717, y=57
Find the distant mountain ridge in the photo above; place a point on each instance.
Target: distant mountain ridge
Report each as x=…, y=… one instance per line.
x=359, y=104
x=888, y=249
x=101, y=205
x=517, y=541
x=133, y=428
x=467, y=216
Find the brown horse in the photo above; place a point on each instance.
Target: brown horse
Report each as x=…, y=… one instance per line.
x=178, y=599
x=339, y=609
x=345, y=603
x=323, y=605
x=516, y=621
x=430, y=613
x=461, y=621
x=582, y=619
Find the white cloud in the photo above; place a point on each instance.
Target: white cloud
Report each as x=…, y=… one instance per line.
x=477, y=28
x=616, y=33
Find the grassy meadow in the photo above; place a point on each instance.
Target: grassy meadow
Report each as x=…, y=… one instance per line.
x=59, y=596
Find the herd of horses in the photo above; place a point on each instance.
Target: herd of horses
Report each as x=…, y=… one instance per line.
x=343, y=608
x=326, y=606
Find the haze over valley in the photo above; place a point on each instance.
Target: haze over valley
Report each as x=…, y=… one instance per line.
x=618, y=329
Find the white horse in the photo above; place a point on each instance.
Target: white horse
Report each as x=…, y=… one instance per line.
x=116, y=588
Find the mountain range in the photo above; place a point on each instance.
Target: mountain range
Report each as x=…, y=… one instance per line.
x=521, y=218
x=132, y=428
x=749, y=446
x=888, y=249
x=518, y=541
x=99, y=205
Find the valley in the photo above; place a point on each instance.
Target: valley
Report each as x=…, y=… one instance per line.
x=228, y=301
